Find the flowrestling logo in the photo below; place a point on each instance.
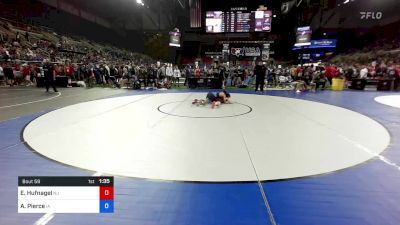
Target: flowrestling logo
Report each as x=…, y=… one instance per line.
x=371, y=15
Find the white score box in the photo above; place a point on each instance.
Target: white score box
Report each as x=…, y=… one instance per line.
x=64, y=194
x=61, y=193
x=58, y=206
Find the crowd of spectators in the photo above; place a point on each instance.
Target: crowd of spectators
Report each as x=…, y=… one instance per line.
x=379, y=60
x=23, y=51
x=301, y=77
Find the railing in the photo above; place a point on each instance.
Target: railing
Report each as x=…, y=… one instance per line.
x=24, y=26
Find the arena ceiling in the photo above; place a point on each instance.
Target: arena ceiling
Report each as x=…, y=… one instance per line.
x=153, y=15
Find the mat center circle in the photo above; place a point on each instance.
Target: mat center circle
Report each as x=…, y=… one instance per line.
x=188, y=110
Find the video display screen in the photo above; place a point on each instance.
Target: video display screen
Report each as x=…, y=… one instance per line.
x=214, y=21
x=263, y=21
x=315, y=44
x=303, y=37
x=238, y=21
x=175, y=39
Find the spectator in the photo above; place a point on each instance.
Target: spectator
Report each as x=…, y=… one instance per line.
x=330, y=73
x=397, y=77
x=27, y=36
x=2, y=77
x=188, y=73
x=9, y=74
x=18, y=37
x=364, y=73
x=49, y=75
x=169, y=72
x=177, y=75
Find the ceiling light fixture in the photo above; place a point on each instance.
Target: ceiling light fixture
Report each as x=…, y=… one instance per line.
x=140, y=2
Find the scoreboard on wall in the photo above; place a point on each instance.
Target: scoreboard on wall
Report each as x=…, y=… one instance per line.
x=65, y=194
x=238, y=20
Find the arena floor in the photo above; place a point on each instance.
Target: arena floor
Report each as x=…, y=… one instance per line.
x=279, y=158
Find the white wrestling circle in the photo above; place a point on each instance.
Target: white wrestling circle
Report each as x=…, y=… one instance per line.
x=280, y=138
x=390, y=100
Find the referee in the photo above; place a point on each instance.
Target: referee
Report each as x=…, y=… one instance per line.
x=49, y=75
x=260, y=71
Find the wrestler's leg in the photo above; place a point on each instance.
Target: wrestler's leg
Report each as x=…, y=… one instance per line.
x=215, y=104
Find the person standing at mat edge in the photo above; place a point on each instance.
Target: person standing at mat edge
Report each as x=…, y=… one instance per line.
x=259, y=71
x=49, y=75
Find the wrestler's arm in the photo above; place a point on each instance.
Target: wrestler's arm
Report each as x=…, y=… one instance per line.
x=228, y=101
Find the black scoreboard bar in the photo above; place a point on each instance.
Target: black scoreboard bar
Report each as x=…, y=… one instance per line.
x=66, y=181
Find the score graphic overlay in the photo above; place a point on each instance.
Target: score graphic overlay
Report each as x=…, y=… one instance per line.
x=65, y=194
